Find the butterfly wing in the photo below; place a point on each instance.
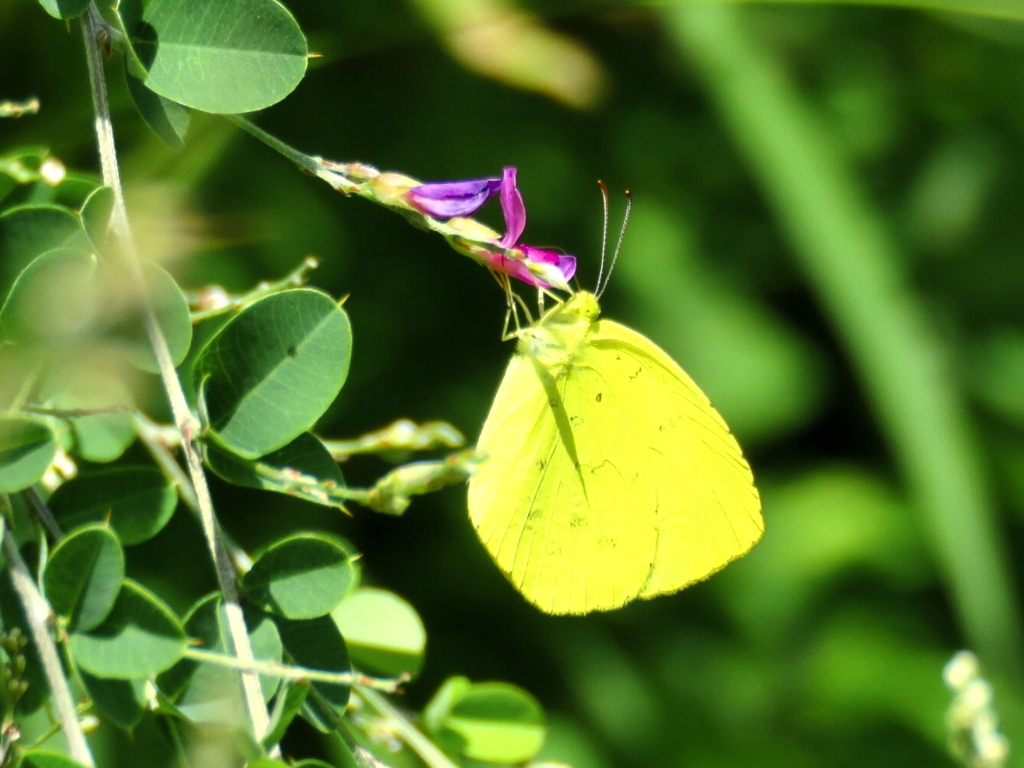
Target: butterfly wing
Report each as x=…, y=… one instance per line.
x=560, y=504
x=707, y=509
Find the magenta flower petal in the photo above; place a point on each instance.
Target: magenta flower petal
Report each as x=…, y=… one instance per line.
x=446, y=199
x=559, y=263
x=512, y=207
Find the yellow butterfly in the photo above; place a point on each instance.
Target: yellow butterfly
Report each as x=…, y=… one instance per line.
x=610, y=475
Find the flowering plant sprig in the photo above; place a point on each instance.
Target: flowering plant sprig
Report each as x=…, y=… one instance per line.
x=447, y=207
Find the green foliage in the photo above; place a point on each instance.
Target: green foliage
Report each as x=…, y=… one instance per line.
x=300, y=577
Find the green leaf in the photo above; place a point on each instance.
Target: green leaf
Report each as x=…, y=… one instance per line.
x=138, y=501
x=166, y=118
x=65, y=9
x=27, y=447
x=54, y=299
x=122, y=702
x=46, y=758
x=301, y=577
x=83, y=576
x=95, y=216
x=26, y=231
x=274, y=369
x=305, y=457
x=384, y=633
x=226, y=57
x=494, y=722
x=139, y=638
x=171, y=310
x=209, y=693
x=101, y=436
x=317, y=644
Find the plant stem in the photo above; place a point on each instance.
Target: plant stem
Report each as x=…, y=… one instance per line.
x=37, y=611
x=292, y=672
x=409, y=733
x=185, y=422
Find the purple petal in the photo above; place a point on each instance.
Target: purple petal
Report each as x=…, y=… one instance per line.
x=560, y=263
x=513, y=208
x=559, y=266
x=446, y=199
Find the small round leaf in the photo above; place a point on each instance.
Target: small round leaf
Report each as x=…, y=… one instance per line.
x=498, y=723
x=27, y=447
x=83, y=576
x=136, y=501
x=384, y=633
x=300, y=577
x=273, y=370
x=140, y=637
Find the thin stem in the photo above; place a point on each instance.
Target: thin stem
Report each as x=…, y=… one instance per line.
x=409, y=733
x=292, y=672
x=305, y=162
x=185, y=422
x=37, y=612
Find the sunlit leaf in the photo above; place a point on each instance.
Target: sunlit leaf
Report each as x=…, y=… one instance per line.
x=228, y=57
x=385, y=635
x=274, y=369
x=301, y=577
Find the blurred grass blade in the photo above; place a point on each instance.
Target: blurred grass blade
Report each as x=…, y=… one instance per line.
x=996, y=9
x=851, y=262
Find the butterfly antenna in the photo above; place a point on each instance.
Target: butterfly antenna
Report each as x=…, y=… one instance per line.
x=618, y=246
x=604, y=234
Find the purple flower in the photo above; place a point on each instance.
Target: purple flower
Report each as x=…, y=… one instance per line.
x=447, y=199
x=538, y=267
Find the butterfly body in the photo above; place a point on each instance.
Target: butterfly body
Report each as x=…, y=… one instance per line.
x=610, y=476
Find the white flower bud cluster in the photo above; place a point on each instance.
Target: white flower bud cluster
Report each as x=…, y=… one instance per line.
x=973, y=725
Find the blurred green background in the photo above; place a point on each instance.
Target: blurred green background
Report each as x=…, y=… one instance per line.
x=827, y=235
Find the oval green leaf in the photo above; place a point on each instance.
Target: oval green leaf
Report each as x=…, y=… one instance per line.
x=226, y=57
x=136, y=501
x=384, y=633
x=317, y=644
x=140, y=637
x=104, y=428
x=167, y=119
x=54, y=299
x=83, y=576
x=273, y=370
x=26, y=231
x=301, y=577
x=27, y=447
x=208, y=693
x=498, y=723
